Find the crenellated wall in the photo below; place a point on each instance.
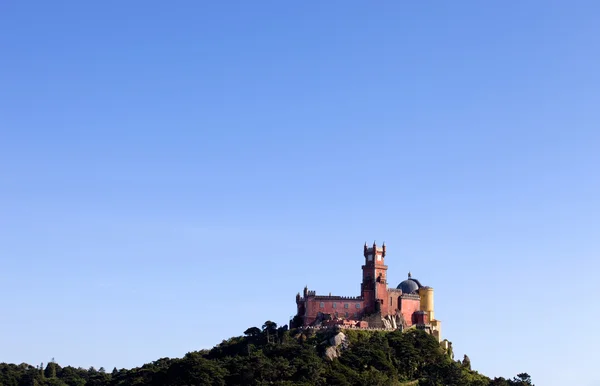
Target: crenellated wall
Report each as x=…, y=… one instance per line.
x=336, y=306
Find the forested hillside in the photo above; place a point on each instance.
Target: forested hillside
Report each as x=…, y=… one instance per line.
x=278, y=356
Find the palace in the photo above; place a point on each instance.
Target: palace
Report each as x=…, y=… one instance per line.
x=408, y=305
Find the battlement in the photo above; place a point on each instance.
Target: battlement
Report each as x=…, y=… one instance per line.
x=410, y=296
x=345, y=327
x=311, y=294
x=333, y=297
x=374, y=250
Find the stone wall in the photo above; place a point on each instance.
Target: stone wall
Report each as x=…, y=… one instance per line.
x=374, y=320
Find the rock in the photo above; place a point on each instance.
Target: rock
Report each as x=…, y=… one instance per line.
x=338, y=339
x=386, y=323
x=331, y=353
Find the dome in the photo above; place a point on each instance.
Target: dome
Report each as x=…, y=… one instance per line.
x=409, y=286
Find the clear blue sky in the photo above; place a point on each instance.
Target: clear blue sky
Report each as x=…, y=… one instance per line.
x=172, y=174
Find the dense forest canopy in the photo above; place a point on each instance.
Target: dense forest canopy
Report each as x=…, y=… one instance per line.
x=274, y=355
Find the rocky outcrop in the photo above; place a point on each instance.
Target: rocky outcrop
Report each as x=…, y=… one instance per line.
x=331, y=353
x=337, y=339
x=337, y=343
x=394, y=322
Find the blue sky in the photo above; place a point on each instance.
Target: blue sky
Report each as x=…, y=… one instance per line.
x=171, y=175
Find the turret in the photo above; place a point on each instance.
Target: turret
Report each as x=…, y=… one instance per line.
x=426, y=297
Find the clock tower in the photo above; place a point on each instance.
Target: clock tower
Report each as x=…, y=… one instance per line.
x=374, y=283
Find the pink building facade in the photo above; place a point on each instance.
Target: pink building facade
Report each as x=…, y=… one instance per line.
x=376, y=301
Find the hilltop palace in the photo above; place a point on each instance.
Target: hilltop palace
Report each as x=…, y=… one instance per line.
x=408, y=305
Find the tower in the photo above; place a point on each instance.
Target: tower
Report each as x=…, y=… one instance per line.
x=426, y=299
x=374, y=283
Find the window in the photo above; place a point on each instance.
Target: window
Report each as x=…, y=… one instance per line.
x=356, y=314
x=346, y=314
x=357, y=305
x=391, y=303
x=346, y=305
x=334, y=305
x=322, y=305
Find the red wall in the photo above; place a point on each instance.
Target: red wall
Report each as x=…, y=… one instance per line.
x=313, y=307
x=409, y=307
x=369, y=300
x=382, y=293
x=391, y=308
x=421, y=318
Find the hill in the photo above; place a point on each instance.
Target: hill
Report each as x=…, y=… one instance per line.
x=278, y=356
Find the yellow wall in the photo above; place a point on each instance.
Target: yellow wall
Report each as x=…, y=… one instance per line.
x=426, y=296
x=436, y=326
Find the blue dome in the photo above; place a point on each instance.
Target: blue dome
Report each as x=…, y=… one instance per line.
x=409, y=286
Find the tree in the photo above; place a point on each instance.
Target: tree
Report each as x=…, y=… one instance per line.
x=365, y=358
x=270, y=328
x=282, y=333
x=73, y=376
x=522, y=379
x=252, y=332
x=193, y=369
x=50, y=371
x=466, y=362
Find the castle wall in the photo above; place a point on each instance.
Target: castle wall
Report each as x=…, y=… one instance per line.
x=421, y=317
x=382, y=292
x=325, y=305
x=374, y=321
x=369, y=300
x=436, y=325
x=393, y=301
x=408, y=307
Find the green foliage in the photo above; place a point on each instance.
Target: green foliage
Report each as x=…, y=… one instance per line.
x=278, y=356
x=51, y=369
